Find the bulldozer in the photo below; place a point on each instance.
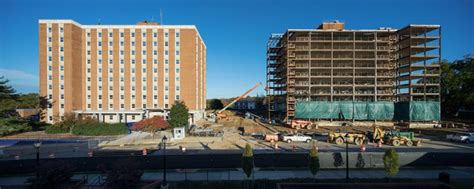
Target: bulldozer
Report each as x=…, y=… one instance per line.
x=340, y=138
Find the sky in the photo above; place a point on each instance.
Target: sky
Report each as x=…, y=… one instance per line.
x=235, y=32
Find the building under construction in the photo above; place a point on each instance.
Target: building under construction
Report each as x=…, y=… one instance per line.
x=333, y=73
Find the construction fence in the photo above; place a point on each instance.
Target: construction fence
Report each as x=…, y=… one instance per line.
x=357, y=110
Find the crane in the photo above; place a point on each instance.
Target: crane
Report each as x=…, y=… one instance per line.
x=220, y=113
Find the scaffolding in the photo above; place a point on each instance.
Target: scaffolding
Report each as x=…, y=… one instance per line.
x=305, y=65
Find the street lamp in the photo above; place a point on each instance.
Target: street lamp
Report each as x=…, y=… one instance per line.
x=347, y=156
x=164, y=184
x=37, y=145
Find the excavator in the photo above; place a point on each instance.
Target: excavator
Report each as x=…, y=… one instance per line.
x=394, y=137
x=219, y=115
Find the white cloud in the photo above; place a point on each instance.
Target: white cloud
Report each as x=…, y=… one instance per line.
x=19, y=78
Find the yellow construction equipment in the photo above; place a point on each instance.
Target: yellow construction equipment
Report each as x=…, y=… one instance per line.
x=341, y=137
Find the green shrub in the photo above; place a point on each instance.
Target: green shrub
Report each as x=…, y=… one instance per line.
x=53, y=129
x=13, y=125
x=97, y=129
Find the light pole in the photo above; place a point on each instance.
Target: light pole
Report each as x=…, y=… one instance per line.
x=164, y=184
x=37, y=145
x=347, y=156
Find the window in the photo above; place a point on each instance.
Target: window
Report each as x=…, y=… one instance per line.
x=99, y=43
x=166, y=61
x=50, y=77
x=88, y=52
x=133, y=79
x=155, y=43
x=166, y=96
x=133, y=96
x=144, y=61
x=177, y=52
x=166, y=79
x=61, y=29
x=144, y=52
x=62, y=105
x=133, y=70
x=177, y=61
x=144, y=79
x=110, y=79
x=155, y=88
x=121, y=61
x=155, y=52
x=177, y=97
x=133, y=117
x=110, y=34
x=62, y=77
x=122, y=97
x=110, y=61
x=144, y=97
x=110, y=52
x=166, y=34
x=144, y=105
x=111, y=96
x=121, y=34
x=62, y=58
x=62, y=96
x=122, y=106
x=133, y=34
x=88, y=61
x=166, y=43
x=166, y=70
x=88, y=105
x=155, y=70
x=133, y=88
x=111, y=88
x=121, y=43
x=100, y=61
x=122, y=79
x=50, y=49
x=49, y=30
x=155, y=61
x=111, y=43
x=50, y=118
x=61, y=39
x=177, y=43
x=144, y=70
x=100, y=97
x=50, y=58
x=111, y=106
x=88, y=34
x=144, y=44
x=121, y=52
x=166, y=105
x=133, y=43
x=166, y=88
x=88, y=96
x=133, y=61
x=143, y=34
x=50, y=39
x=100, y=105
x=177, y=34
x=177, y=70
x=62, y=49
x=61, y=68
x=111, y=117
x=133, y=52
x=155, y=97
x=166, y=52
x=100, y=34
x=88, y=88
x=155, y=34
x=177, y=88
x=100, y=52
x=50, y=97
x=50, y=68
x=100, y=70
x=122, y=88
x=144, y=88
x=88, y=79
x=88, y=43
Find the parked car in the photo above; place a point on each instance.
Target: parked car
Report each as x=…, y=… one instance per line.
x=466, y=138
x=297, y=138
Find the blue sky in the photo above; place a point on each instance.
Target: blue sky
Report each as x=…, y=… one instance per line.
x=235, y=32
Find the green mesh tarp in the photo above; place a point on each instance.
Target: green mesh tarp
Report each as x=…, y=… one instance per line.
x=414, y=111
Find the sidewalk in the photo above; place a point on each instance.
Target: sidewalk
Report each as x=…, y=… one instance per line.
x=202, y=175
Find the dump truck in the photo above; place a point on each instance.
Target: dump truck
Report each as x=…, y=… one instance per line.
x=340, y=138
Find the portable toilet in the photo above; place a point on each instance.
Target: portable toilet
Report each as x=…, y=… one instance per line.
x=178, y=133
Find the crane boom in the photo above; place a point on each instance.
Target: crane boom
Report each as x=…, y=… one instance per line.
x=240, y=97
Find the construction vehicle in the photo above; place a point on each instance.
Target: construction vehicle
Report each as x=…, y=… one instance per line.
x=219, y=115
x=301, y=124
x=394, y=138
x=205, y=132
x=343, y=137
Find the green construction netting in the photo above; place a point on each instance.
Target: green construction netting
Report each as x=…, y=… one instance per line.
x=414, y=111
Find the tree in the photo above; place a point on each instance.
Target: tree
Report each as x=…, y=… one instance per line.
x=151, y=124
x=216, y=104
x=457, y=85
x=313, y=160
x=8, y=98
x=125, y=173
x=247, y=160
x=391, y=162
x=360, y=161
x=337, y=157
x=179, y=115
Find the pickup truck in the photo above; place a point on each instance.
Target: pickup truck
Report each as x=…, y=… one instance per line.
x=297, y=138
x=466, y=138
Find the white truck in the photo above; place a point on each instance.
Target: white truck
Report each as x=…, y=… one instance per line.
x=466, y=138
x=297, y=138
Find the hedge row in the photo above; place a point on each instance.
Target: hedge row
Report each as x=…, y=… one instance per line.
x=97, y=129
